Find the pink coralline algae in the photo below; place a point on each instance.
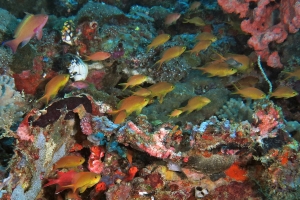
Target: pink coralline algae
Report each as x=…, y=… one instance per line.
x=85, y=124
x=261, y=26
x=95, y=164
x=24, y=131
x=153, y=144
x=268, y=120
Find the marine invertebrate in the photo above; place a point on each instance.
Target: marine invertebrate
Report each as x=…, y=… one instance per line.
x=236, y=110
x=262, y=27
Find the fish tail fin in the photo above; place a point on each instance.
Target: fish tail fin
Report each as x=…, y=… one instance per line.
x=86, y=58
x=51, y=182
x=13, y=44
x=148, y=48
x=160, y=62
x=218, y=54
x=123, y=84
x=44, y=99
x=237, y=89
x=185, y=20
x=289, y=75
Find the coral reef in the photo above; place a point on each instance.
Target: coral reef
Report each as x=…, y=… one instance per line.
x=263, y=28
x=173, y=131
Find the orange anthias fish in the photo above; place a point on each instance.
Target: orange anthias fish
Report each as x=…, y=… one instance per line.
x=218, y=68
x=98, y=56
x=171, y=53
x=206, y=36
x=201, y=45
x=63, y=178
x=175, y=113
x=30, y=26
x=284, y=92
x=134, y=81
x=295, y=73
x=250, y=92
x=197, y=21
x=69, y=161
x=82, y=181
x=160, y=90
x=53, y=86
x=159, y=40
x=195, y=5
x=131, y=104
x=172, y=18
x=143, y=92
x=195, y=103
x=120, y=117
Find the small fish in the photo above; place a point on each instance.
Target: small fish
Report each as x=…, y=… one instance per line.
x=175, y=113
x=217, y=68
x=98, y=56
x=284, y=92
x=79, y=85
x=30, y=26
x=172, y=18
x=201, y=45
x=129, y=155
x=143, y=92
x=240, y=62
x=76, y=147
x=195, y=103
x=295, y=73
x=250, y=92
x=82, y=181
x=197, y=21
x=131, y=104
x=69, y=161
x=206, y=36
x=53, y=86
x=159, y=40
x=63, y=178
x=170, y=53
x=160, y=90
x=248, y=81
x=120, y=117
x=134, y=81
x=195, y=5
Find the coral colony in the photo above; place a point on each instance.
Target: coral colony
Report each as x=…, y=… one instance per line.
x=170, y=99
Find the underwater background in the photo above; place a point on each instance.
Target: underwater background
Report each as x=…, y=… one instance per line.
x=156, y=99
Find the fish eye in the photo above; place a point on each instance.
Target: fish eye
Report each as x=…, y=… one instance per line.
x=232, y=69
x=294, y=92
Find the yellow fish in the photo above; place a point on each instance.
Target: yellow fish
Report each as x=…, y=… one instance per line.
x=284, y=92
x=134, y=81
x=30, y=26
x=248, y=81
x=120, y=117
x=171, y=53
x=195, y=5
x=82, y=181
x=243, y=60
x=250, y=92
x=131, y=104
x=53, y=86
x=143, y=92
x=69, y=161
x=159, y=40
x=218, y=68
x=295, y=73
x=201, y=45
x=206, y=36
x=195, y=103
x=160, y=90
x=196, y=21
x=175, y=113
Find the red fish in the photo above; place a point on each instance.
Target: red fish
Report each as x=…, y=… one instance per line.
x=64, y=178
x=30, y=26
x=101, y=55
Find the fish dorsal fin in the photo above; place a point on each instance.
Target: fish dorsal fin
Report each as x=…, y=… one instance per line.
x=22, y=24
